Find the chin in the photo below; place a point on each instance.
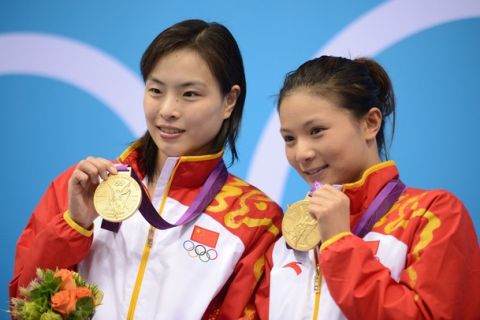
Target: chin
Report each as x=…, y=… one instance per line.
x=170, y=152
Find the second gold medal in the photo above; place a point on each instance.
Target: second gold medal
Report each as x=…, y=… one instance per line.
x=299, y=228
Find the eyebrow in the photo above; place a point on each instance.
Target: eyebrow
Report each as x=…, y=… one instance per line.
x=308, y=123
x=305, y=125
x=283, y=130
x=181, y=85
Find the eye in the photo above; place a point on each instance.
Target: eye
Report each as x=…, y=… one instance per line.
x=154, y=91
x=191, y=94
x=315, y=131
x=288, y=139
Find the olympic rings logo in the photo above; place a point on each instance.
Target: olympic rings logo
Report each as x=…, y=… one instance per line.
x=200, y=251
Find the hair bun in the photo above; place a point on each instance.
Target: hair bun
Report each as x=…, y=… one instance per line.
x=379, y=76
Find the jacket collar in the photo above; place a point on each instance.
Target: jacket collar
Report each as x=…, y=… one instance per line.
x=362, y=192
x=179, y=172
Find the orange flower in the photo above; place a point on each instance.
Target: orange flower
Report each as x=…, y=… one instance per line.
x=64, y=301
x=68, y=282
x=83, y=292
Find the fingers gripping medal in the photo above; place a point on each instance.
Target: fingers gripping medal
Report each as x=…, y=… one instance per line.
x=299, y=228
x=117, y=197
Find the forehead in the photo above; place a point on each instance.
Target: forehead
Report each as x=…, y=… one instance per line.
x=182, y=64
x=302, y=107
x=304, y=101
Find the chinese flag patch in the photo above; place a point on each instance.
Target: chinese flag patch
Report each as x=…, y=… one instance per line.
x=295, y=265
x=205, y=236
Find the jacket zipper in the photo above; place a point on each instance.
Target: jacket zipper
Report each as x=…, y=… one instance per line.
x=317, y=285
x=140, y=273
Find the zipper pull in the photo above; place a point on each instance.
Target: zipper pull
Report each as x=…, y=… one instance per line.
x=151, y=233
x=316, y=284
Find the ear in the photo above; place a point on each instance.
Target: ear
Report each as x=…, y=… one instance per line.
x=231, y=100
x=372, y=122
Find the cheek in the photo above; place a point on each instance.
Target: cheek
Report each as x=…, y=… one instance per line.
x=336, y=147
x=146, y=100
x=344, y=153
x=211, y=119
x=146, y=106
x=149, y=110
x=290, y=153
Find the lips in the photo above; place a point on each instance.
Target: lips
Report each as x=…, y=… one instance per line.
x=169, y=132
x=314, y=171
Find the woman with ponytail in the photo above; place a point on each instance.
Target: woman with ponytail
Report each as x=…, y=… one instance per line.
x=361, y=245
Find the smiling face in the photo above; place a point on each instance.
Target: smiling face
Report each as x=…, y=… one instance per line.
x=184, y=107
x=325, y=142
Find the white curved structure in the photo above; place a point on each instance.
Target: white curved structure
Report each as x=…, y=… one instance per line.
x=369, y=35
x=78, y=65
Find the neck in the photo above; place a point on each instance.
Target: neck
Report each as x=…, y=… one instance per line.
x=152, y=181
x=372, y=156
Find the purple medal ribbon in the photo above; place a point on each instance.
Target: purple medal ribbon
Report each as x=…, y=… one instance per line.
x=209, y=190
x=379, y=207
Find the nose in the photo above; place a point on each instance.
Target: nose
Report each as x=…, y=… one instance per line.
x=304, y=152
x=169, y=108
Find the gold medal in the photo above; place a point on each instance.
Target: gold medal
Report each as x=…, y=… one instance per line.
x=299, y=228
x=118, y=197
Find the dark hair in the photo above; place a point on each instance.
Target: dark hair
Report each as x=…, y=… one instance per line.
x=217, y=46
x=357, y=85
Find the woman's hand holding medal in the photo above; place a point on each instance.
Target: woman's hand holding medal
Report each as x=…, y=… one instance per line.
x=331, y=208
x=324, y=213
x=82, y=185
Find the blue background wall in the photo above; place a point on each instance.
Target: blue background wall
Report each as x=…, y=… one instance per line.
x=70, y=87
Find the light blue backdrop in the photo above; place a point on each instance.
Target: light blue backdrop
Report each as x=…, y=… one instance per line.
x=70, y=87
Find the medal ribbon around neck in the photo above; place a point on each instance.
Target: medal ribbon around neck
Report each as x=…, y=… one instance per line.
x=209, y=190
x=299, y=239
x=379, y=207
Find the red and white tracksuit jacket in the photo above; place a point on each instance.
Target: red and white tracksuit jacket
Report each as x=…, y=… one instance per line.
x=146, y=273
x=420, y=261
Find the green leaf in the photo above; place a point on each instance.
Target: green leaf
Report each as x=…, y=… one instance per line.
x=86, y=304
x=79, y=280
x=84, y=309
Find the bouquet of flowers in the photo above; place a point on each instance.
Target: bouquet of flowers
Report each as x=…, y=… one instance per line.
x=57, y=295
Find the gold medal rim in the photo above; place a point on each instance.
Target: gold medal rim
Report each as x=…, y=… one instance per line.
x=125, y=216
x=290, y=211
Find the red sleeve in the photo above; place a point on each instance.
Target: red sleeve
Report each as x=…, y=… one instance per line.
x=262, y=295
x=48, y=241
x=440, y=280
x=237, y=299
